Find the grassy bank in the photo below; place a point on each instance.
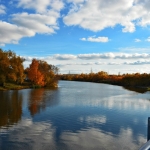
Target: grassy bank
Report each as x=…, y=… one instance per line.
x=24, y=85
x=13, y=86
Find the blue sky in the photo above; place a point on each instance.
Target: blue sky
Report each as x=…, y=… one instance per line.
x=79, y=35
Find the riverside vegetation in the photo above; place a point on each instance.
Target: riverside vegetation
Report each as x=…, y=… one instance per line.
x=14, y=76
x=41, y=74
x=135, y=81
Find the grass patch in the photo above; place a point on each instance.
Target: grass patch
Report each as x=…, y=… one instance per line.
x=13, y=86
x=148, y=89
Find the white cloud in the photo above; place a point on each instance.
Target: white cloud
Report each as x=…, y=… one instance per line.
x=137, y=40
x=41, y=6
x=96, y=56
x=99, y=14
x=64, y=57
x=75, y=1
x=25, y=127
x=113, y=56
x=139, y=62
x=102, y=140
x=96, y=39
x=38, y=23
x=11, y=33
x=148, y=39
x=43, y=21
x=2, y=9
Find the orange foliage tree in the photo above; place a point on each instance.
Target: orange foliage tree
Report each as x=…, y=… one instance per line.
x=36, y=77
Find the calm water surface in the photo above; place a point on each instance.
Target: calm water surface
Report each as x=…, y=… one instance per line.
x=76, y=116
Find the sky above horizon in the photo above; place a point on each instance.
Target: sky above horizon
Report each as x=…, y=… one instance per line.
x=79, y=35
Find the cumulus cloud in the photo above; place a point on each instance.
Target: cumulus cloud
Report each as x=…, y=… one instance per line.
x=96, y=39
x=2, y=9
x=99, y=14
x=43, y=21
x=13, y=33
x=36, y=22
x=41, y=6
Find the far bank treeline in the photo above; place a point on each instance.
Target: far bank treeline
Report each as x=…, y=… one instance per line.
x=38, y=74
x=128, y=80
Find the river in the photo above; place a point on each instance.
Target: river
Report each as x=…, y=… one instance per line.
x=76, y=115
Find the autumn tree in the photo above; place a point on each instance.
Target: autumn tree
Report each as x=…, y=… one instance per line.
x=11, y=67
x=49, y=72
x=4, y=66
x=16, y=69
x=36, y=77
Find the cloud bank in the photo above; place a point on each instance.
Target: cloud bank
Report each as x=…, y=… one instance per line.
x=103, y=56
x=100, y=14
x=33, y=17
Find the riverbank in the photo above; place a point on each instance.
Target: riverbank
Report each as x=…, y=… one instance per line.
x=12, y=86
x=25, y=85
x=141, y=82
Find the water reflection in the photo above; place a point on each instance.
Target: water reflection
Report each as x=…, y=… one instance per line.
x=139, y=90
x=41, y=135
x=101, y=140
x=39, y=99
x=36, y=101
x=29, y=135
x=10, y=108
x=94, y=116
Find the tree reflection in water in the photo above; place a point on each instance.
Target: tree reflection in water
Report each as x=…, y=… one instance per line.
x=36, y=101
x=41, y=98
x=10, y=108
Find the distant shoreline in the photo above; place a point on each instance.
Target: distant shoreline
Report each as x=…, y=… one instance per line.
x=139, y=89
x=12, y=86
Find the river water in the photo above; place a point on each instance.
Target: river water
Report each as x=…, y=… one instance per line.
x=76, y=116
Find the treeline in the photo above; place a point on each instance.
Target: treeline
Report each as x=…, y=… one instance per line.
x=38, y=74
x=128, y=80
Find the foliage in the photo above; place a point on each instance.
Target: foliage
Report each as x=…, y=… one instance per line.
x=128, y=80
x=11, y=67
x=40, y=73
x=34, y=74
